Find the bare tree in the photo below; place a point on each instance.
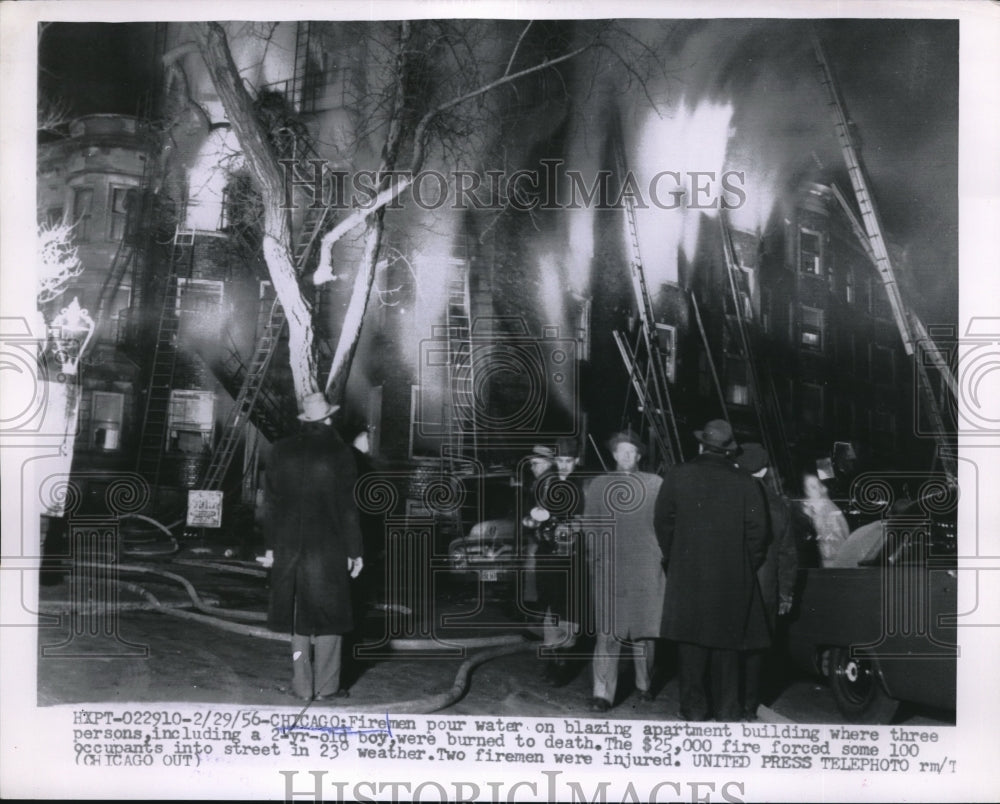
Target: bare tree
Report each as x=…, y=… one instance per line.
x=58, y=262
x=54, y=113
x=412, y=114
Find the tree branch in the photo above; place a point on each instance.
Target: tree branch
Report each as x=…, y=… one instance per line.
x=386, y=195
x=517, y=45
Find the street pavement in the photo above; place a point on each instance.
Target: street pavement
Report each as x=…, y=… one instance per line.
x=143, y=653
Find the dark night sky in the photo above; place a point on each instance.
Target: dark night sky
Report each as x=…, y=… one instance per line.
x=98, y=67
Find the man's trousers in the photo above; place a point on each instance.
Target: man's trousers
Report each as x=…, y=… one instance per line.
x=721, y=669
x=319, y=674
x=607, y=652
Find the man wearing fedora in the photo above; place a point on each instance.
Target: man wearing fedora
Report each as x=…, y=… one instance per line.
x=776, y=575
x=625, y=563
x=711, y=524
x=314, y=532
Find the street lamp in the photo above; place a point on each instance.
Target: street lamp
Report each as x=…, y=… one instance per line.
x=69, y=333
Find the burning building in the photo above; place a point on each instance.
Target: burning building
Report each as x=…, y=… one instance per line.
x=502, y=310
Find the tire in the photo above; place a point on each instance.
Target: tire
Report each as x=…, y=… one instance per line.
x=858, y=690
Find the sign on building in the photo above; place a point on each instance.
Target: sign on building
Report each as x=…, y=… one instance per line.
x=204, y=509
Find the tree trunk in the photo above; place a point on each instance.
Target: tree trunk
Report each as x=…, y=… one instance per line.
x=277, y=233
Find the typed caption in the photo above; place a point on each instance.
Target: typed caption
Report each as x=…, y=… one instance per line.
x=318, y=739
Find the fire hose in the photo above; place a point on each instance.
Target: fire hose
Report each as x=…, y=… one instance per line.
x=495, y=647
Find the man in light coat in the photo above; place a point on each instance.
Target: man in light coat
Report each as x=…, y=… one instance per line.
x=712, y=529
x=313, y=529
x=626, y=569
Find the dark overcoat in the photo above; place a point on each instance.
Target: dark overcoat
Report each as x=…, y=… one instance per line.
x=711, y=524
x=777, y=574
x=312, y=525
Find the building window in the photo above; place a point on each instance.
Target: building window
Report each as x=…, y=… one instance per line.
x=810, y=252
x=765, y=311
x=118, y=201
x=190, y=421
x=811, y=328
x=883, y=364
x=737, y=384
x=106, y=418
x=667, y=337
x=83, y=208
x=199, y=306
x=812, y=413
x=849, y=286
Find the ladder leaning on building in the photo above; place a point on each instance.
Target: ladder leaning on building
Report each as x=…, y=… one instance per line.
x=916, y=341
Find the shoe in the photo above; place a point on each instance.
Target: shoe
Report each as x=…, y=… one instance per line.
x=331, y=696
x=645, y=695
x=598, y=704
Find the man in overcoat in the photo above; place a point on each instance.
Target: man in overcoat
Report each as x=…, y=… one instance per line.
x=562, y=574
x=776, y=575
x=626, y=569
x=712, y=528
x=313, y=530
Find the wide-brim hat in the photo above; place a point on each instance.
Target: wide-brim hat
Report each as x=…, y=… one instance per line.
x=626, y=437
x=315, y=408
x=567, y=448
x=718, y=434
x=752, y=458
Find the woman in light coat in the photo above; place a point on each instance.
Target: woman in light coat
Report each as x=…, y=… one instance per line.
x=827, y=519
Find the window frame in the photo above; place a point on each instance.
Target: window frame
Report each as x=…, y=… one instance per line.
x=83, y=214
x=817, y=261
x=818, y=330
x=119, y=419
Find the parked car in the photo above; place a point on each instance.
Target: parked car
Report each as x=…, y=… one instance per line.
x=880, y=626
x=487, y=548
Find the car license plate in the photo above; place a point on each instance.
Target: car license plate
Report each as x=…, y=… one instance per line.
x=488, y=575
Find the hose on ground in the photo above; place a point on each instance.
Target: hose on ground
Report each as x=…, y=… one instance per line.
x=214, y=612
x=154, y=522
x=423, y=705
x=237, y=567
x=256, y=616
x=163, y=551
x=216, y=622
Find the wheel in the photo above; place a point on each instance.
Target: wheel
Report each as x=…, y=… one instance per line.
x=858, y=690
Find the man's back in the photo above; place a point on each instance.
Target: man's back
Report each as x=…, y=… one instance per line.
x=712, y=528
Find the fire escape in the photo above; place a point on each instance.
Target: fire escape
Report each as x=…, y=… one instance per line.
x=461, y=368
x=153, y=435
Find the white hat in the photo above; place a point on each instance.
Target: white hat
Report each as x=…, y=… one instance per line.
x=315, y=408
